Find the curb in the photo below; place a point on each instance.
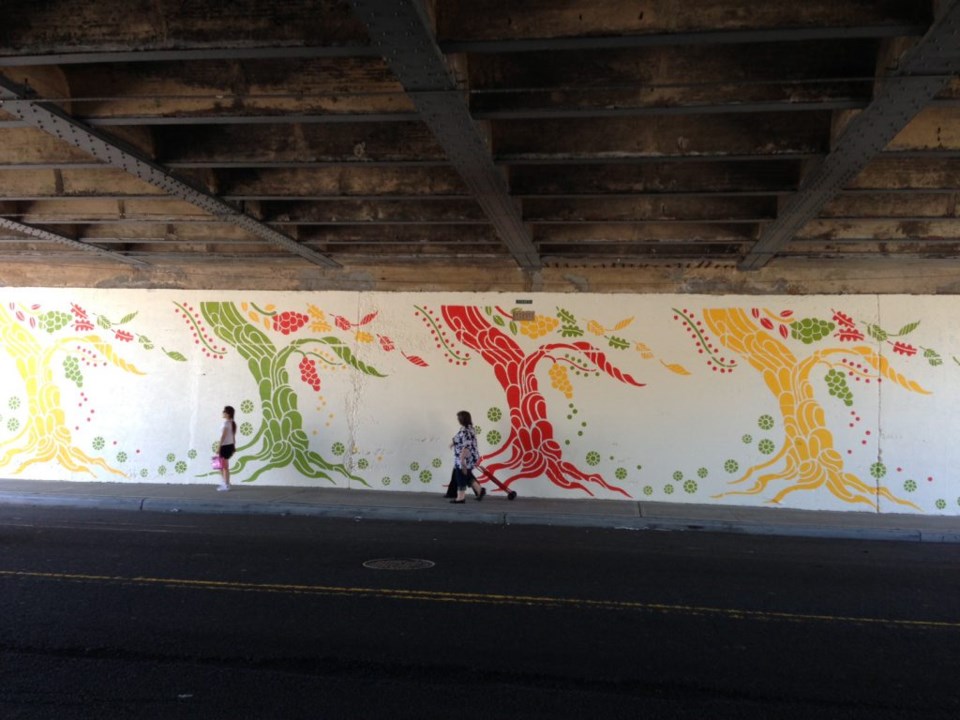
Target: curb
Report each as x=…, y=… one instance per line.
x=478, y=516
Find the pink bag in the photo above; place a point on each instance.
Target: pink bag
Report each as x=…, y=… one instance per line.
x=216, y=462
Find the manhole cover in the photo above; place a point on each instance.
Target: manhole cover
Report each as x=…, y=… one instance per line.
x=398, y=564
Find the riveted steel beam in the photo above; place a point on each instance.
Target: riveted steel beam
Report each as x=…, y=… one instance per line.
x=53, y=120
x=923, y=72
x=401, y=31
x=46, y=235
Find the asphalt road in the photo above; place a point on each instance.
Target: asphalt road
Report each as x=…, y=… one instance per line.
x=133, y=615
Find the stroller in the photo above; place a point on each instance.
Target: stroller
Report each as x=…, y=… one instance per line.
x=452, y=487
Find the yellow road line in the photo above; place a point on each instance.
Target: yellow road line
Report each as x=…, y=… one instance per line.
x=478, y=599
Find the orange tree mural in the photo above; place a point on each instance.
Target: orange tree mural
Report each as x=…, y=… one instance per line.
x=808, y=459
x=37, y=339
x=531, y=450
x=280, y=441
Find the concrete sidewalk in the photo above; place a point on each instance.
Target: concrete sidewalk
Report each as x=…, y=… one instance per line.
x=495, y=509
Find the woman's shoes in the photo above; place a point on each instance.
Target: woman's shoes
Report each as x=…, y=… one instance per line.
x=483, y=491
x=457, y=502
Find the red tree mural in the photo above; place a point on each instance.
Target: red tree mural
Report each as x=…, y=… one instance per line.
x=531, y=449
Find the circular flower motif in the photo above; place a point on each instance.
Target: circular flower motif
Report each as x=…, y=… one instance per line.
x=171, y=457
x=246, y=406
x=878, y=470
x=436, y=462
x=668, y=489
x=731, y=466
x=192, y=454
x=385, y=481
x=426, y=476
x=162, y=470
x=941, y=504
x=702, y=473
x=13, y=424
x=765, y=422
x=121, y=457
x=678, y=476
x=690, y=487
x=621, y=473
x=246, y=428
x=593, y=458
x=494, y=437
x=747, y=439
x=405, y=479
x=144, y=472
x=414, y=466
x=98, y=443
x=13, y=403
x=363, y=463
x=494, y=414
x=647, y=490
x=180, y=467
x=910, y=485
x=338, y=448
x=766, y=446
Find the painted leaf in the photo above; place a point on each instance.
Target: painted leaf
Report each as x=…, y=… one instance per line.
x=784, y=331
x=596, y=328
x=876, y=332
x=320, y=326
x=111, y=356
x=623, y=323
x=104, y=322
x=902, y=348
x=786, y=314
x=254, y=317
x=174, y=355
x=270, y=308
x=909, y=328
x=364, y=337
x=127, y=318
x=367, y=318
x=416, y=360
x=513, y=328
x=570, y=331
x=675, y=368
x=767, y=323
x=499, y=321
x=344, y=353
x=618, y=343
x=386, y=343
x=566, y=317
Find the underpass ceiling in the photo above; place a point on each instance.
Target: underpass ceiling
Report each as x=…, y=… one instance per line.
x=327, y=139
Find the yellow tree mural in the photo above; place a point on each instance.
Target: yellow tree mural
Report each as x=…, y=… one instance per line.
x=45, y=436
x=808, y=459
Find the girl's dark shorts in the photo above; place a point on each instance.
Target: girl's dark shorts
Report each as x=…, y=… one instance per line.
x=226, y=451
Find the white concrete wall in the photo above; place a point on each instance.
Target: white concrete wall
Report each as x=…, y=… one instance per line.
x=725, y=404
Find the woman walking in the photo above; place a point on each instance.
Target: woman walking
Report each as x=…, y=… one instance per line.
x=465, y=459
x=226, y=447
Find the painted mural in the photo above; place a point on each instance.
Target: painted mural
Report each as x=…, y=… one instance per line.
x=841, y=403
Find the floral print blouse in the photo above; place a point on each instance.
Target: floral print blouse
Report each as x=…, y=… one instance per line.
x=466, y=437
